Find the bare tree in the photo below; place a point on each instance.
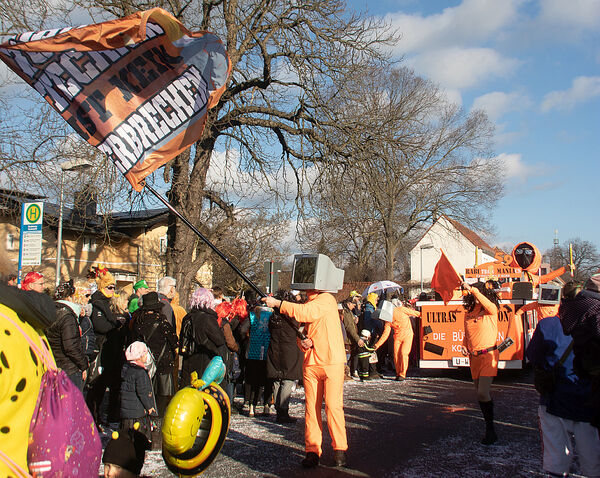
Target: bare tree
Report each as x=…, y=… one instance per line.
x=256, y=237
x=415, y=157
x=585, y=258
x=283, y=55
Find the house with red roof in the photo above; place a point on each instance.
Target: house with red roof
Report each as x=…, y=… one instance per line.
x=463, y=247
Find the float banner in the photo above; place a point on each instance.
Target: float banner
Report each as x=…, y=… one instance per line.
x=137, y=88
x=442, y=327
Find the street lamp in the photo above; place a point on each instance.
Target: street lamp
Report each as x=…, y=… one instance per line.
x=424, y=246
x=71, y=165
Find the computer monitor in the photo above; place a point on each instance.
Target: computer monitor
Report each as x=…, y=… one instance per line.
x=316, y=272
x=549, y=294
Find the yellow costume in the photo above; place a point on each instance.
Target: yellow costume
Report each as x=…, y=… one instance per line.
x=20, y=378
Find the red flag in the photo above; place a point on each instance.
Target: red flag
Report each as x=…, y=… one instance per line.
x=445, y=279
x=138, y=88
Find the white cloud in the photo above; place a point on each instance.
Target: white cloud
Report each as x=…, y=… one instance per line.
x=466, y=24
x=582, y=89
x=463, y=67
x=515, y=169
x=497, y=103
x=570, y=14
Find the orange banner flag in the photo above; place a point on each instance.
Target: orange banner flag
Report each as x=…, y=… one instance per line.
x=137, y=88
x=445, y=279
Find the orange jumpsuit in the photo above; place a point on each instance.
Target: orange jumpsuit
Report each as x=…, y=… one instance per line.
x=403, y=337
x=531, y=270
x=323, y=369
x=481, y=332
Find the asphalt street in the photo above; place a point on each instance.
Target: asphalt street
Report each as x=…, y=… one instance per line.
x=428, y=426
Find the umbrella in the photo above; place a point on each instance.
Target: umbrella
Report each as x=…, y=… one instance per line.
x=381, y=287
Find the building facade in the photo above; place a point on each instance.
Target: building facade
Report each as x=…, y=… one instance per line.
x=463, y=247
x=132, y=244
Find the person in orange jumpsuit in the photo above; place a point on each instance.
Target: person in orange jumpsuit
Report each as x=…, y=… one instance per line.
x=528, y=257
x=323, y=372
x=480, y=343
x=403, y=338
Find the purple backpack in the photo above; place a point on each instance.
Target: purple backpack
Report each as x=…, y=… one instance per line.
x=63, y=440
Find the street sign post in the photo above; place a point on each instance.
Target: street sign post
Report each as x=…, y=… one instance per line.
x=272, y=270
x=30, y=241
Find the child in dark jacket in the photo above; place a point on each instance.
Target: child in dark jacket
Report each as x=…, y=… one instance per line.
x=137, y=397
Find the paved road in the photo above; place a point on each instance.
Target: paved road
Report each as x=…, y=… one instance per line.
x=428, y=426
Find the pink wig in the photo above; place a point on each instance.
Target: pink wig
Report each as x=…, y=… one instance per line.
x=202, y=298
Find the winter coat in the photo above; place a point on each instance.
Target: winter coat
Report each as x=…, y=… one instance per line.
x=259, y=333
x=284, y=358
x=209, y=340
x=167, y=310
x=230, y=348
x=136, y=391
x=571, y=396
x=88, y=338
x=580, y=318
x=352, y=336
x=156, y=338
x=65, y=341
x=102, y=317
x=369, y=322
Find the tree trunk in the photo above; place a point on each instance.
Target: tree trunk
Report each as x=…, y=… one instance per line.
x=186, y=196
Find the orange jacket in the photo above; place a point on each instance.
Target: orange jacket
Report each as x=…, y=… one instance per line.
x=323, y=327
x=481, y=325
x=400, y=323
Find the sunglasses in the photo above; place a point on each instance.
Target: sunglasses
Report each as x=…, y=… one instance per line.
x=88, y=295
x=111, y=287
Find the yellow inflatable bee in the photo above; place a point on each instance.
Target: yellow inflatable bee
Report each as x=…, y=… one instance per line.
x=196, y=423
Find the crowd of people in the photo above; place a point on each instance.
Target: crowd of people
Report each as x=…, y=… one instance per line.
x=130, y=353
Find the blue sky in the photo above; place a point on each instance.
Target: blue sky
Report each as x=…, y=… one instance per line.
x=534, y=67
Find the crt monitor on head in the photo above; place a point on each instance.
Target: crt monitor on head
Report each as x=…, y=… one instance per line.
x=549, y=294
x=316, y=272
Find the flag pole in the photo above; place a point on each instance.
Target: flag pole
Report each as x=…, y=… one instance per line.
x=246, y=279
x=206, y=241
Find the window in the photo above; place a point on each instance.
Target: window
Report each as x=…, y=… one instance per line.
x=89, y=244
x=11, y=242
x=163, y=245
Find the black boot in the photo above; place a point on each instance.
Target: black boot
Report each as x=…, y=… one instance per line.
x=487, y=408
x=284, y=417
x=311, y=460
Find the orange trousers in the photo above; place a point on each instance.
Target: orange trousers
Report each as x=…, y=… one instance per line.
x=402, y=346
x=324, y=381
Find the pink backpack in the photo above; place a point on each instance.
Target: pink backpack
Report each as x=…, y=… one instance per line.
x=63, y=439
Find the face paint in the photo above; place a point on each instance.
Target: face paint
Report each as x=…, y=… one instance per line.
x=524, y=255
